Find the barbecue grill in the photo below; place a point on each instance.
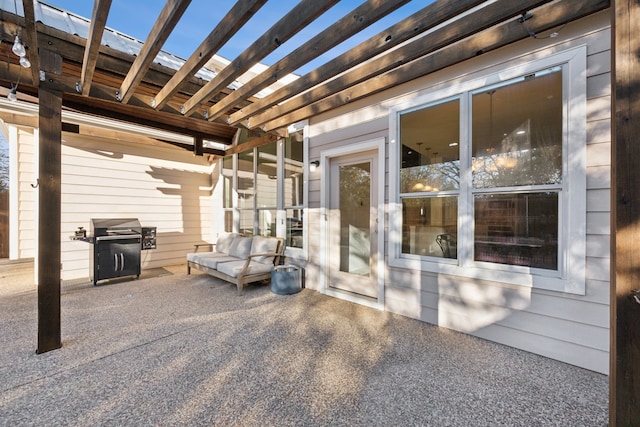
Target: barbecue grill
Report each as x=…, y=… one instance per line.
x=117, y=244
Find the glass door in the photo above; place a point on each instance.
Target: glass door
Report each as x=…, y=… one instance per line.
x=353, y=216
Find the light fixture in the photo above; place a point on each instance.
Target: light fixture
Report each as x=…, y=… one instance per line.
x=313, y=166
x=18, y=47
x=24, y=61
x=12, y=96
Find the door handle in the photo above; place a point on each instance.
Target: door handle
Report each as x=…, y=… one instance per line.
x=115, y=262
x=122, y=262
x=636, y=295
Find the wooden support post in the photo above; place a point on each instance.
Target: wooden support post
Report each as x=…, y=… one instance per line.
x=49, y=190
x=624, y=375
x=198, y=144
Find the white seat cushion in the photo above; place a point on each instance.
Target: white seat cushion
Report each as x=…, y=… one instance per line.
x=209, y=259
x=232, y=268
x=215, y=262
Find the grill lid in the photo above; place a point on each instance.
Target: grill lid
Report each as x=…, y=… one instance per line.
x=115, y=226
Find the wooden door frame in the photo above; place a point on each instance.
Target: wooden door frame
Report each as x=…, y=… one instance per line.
x=378, y=145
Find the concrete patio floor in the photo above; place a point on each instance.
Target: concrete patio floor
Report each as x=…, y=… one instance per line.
x=172, y=349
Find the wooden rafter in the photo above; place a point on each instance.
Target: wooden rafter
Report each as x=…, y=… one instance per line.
x=423, y=20
x=164, y=25
x=375, y=65
x=92, y=47
x=546, y=18
x=239, y=14
x=350, y=24
x=298, y=18
x=479, y=20
x=31, y=39
x=101, y=97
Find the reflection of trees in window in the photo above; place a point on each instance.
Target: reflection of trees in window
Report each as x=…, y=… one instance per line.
x=4, y=166
x=430, y=148
x=517, y=132
x=523, y=167
x=355, y=183
x=4, y=198
x=437, y=177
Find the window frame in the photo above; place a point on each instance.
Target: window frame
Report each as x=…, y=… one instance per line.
x=570, y=276
x=280, y=208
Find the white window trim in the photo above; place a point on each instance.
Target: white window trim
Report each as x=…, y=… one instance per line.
x=570, y=277
x=295, y=253
x=302, y=253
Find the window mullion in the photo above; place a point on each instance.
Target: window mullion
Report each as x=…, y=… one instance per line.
x=465, y=209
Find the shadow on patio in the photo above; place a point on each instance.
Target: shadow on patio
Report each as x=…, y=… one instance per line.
x=173, y=349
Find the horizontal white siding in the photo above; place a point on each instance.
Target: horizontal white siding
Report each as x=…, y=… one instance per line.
x=570, y=328
x=160, y=185
x=27, y=195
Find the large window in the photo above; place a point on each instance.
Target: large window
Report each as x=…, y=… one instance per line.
x=492, y=178
x=430, y=179
x=270, y=189
x=517, y=129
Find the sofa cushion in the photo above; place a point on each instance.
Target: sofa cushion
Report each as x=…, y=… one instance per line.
x=263, y=245
x=214, y=262
x=240, y=247
x=223, y=244
x=233, y=268
x=209, y=259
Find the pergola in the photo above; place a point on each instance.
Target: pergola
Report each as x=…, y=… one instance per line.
x=70, y=72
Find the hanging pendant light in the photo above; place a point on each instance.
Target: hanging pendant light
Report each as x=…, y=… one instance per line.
x=18, y=47
x=12, y=96
x=24, y=61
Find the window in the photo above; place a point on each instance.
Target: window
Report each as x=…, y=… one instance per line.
x=491, y=176
x=430, y=179
x=227, y=192
x=293, y=189
x=270, y=191
x=516, y=145
x=246, y=192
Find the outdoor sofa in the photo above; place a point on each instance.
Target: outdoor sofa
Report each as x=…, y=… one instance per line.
x=238, y=259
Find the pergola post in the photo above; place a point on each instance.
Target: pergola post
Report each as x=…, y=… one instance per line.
x=624, y=374
x=49, y=215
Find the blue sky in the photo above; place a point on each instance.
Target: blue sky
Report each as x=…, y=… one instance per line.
x=136, y=17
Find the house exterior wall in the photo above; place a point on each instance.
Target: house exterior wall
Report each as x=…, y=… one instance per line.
x=133, y=178
x=569, y=327
x=26, y=220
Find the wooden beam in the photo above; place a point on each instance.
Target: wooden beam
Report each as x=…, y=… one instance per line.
x=164, y=25
x=423, y=20
x=445, y=36
x=350, y=24
x=71, y=48
x=19, y=119
x=239, y=14
x=31, y=39
x=49, y=216
x=144, y=117
x=624, y=373
x=191, y=147
x=298, y=18
x=97, y=103
x=92, y=47
x=252, y=143
x=545, y=18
